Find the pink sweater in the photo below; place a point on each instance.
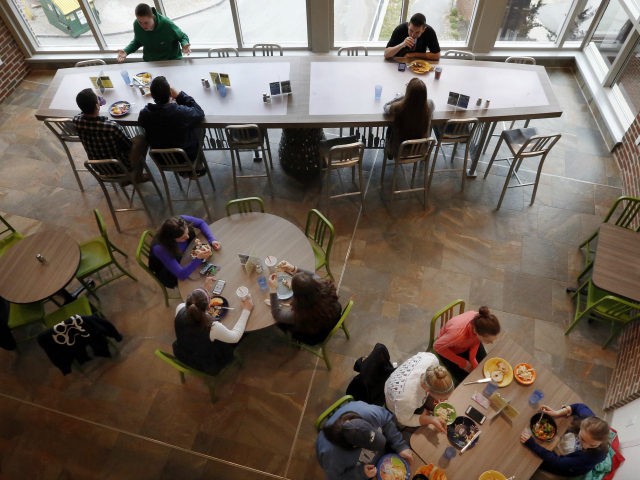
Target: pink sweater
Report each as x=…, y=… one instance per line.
x=457, y=336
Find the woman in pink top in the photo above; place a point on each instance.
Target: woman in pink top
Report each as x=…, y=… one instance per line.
x=459, y=343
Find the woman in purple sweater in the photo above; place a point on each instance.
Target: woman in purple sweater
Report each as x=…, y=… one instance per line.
x=169, y=244
x=585, y=444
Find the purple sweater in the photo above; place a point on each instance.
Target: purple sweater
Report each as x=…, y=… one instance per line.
x=573, y=464
x=171, y=263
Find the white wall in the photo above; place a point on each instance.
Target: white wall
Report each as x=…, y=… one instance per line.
x=626, y=420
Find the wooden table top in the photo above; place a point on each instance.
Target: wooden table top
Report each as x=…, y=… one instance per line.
x=23, y=279
x=327, y=90
x=617, y=264
x=261, y=235
x=498, y=447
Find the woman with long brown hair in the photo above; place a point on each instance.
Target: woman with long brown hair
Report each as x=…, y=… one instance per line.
x=411, y=116
x=314, y=306
x=202, y=342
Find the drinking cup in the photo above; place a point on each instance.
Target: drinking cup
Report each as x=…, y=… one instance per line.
x=438, y=72
x=222, y=89
x=489, y=389
x=270, y=262
x=535, y=397
x=378, y=90
x=242, y=292
x=449, y=453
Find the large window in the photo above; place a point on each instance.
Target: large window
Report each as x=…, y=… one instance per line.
x=583, y=17
x=373, y=21
x=273, y=21
x=612, y=31
x=629, y=81
x=205, y=22
x=534, y=20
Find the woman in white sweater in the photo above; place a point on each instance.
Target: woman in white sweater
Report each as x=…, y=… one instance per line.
x=201, y=341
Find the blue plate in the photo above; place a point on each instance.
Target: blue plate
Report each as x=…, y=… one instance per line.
x=217, y=312
x=284, y=292
x=391, y=463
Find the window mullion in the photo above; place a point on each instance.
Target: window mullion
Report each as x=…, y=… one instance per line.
x=236, y=22
x=93, y=24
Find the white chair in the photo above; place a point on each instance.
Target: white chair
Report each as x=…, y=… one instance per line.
x=114, y=172
x=242, y=138
x=223, y=52
x=344, y=156
x=353, y=51
x=454, y=132
x=523, y=143
x=415, y=153
x=176, y=161
x=266, y=49
x=459, y=54
x=90, y=63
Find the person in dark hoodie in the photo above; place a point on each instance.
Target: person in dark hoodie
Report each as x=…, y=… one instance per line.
x=172, y=124
x=159, y=37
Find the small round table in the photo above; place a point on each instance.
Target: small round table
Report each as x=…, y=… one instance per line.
x=24, y=279
x=258, y=235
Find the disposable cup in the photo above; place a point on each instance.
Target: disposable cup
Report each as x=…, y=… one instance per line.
x=242, y=292
x=449, y=453
x=535, y=397
x=270, y=262
x=378, y=92
x=438, y=72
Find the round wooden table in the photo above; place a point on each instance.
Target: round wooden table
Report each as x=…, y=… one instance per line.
x=24, y=279
x=258, y=235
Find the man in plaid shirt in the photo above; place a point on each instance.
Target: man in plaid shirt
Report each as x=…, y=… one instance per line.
x=103, y=138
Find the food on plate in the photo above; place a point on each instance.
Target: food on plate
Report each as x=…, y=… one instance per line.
x=216, y=302
x=492, y=475
x=445, y=411
x=200, y=247
x=393, y=467
x=497, y=376
x=524, y=373
x=543, y=427
x=432, y=472
x=144, y=77
x=119, y=108
x=286, y=282
x=419, y=66
x=499, y=370
x=461, y=431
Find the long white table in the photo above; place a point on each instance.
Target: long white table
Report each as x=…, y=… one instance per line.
x=328, y=91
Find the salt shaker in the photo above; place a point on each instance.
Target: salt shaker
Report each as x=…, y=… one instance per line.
x=479, y=102
x=40, y=258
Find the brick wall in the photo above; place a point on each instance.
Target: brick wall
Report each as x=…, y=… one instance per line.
x=627, y=156
x=14, y=67
x=625, y=380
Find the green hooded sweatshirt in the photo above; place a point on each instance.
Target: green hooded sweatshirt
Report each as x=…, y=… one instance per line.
x=164, y=42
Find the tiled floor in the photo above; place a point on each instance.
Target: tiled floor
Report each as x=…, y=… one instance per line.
x=130, y=417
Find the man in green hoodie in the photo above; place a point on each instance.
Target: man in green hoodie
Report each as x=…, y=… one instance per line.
x=160, y=38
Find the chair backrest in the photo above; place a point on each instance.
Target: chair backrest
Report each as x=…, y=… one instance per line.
x=103, y=233
x=412, y=151
x=353, y=51
x=459, y=129
x=8, y=235
x=538, y=145
x=522, y=60
x=25, y=313
x=267, y=49
x=625, y=213
x=109, y=170
x=245, y=205
x=178, y=365
x=171, y=160
x=247, y=136
x=223, y=52
x=90, y=63
x=63, y=129
x=442, y=317
x=142, y=258
x=459, y=54
x=320, y=230
x=345, y=155
x=80, y=306
x=324, y=416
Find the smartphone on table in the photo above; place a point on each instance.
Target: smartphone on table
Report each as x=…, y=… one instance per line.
x=475, y=415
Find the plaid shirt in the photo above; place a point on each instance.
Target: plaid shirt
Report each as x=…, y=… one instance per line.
x=103, y=138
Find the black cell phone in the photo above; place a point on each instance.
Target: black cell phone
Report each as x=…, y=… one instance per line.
x=402, y=67
x=475, y=415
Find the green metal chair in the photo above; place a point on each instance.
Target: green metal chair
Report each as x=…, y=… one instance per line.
x=21, y=314
x=8, y=236
x=442, y=317
x=97, y=254
x=80, y=306
x=321, y=233
x=320, y=349
x=183, y=368
x=600, y=304
x=331, y=410
x=142, y=257
x=625, y=213
x=245, y=205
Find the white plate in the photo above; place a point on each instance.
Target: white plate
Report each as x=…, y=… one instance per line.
x=284, y=292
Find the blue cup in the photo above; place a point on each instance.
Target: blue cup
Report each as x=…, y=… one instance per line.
x=449, y=453
x=222, y=90
x=535, y=397
x=489, y=389
x=378, y=89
